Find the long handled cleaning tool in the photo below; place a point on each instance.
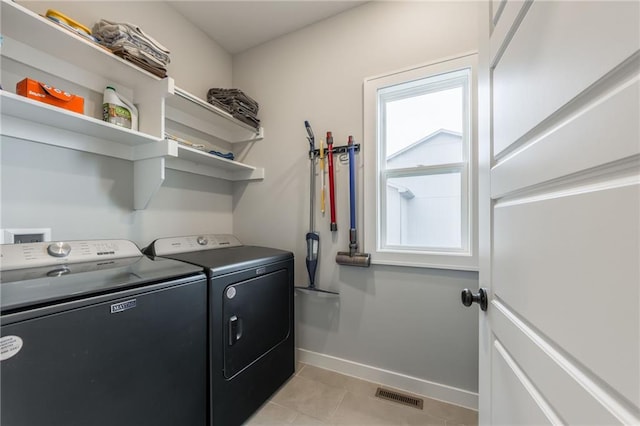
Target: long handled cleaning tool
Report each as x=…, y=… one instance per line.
x=352, y=257
x=332, y=197
x=322, y=190
x=312, y=237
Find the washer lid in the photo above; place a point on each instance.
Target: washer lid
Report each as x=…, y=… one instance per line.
x=24, y=288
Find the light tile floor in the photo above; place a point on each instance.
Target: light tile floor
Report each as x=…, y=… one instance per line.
x=314, y=396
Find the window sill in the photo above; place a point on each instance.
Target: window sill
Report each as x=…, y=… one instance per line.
x=424, y=265
x=457, y=262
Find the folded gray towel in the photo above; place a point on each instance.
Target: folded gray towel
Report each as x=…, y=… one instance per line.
x=252, y=121
x=237, y=103
x=228, y=96
x=145, y=65
x=131, y=38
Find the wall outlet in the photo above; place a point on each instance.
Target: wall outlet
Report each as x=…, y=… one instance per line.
x=28, y=235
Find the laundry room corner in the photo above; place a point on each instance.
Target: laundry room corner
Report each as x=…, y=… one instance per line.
x=97, y=191
x=400, y=325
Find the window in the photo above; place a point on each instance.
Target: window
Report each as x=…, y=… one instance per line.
x=419, y=185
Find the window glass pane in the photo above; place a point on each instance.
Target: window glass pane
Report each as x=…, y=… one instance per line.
x=425, y=129
x=424, y=211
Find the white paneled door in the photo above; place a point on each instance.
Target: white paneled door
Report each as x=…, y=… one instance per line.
x=560, y=213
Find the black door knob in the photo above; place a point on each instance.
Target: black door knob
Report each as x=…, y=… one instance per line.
x=480, y=297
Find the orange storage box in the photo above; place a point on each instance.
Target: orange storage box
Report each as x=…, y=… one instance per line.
x=33, y=89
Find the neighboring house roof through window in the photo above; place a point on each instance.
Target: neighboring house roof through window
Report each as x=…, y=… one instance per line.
x=440, y=147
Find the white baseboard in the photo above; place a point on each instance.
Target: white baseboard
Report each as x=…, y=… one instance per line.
x=392, y=379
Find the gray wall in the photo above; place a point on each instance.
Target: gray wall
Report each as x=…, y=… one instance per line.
x=405, y=320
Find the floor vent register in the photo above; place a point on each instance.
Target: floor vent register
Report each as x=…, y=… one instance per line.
x=400, y=398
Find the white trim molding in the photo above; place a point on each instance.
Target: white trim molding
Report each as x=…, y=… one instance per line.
x=392, y=379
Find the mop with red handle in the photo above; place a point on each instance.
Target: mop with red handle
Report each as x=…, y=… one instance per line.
x=332, y=197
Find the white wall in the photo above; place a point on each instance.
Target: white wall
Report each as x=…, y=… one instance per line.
x=406, y=320
x=85, y=196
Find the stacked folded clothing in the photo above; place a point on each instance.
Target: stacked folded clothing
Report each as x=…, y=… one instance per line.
x=237, y=103
x=131, y=43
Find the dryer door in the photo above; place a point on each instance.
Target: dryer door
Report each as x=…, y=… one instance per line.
x=257, y=316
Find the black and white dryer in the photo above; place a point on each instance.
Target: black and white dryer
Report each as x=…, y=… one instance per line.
x=96, y=333
x=250, y=319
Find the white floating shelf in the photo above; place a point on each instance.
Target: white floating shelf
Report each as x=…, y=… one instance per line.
x=24, y=118
x=199, y=162
x=191, y=111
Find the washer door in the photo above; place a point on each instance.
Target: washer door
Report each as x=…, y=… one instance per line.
x=257, y=316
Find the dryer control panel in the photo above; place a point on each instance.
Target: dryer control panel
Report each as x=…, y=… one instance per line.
x=33, y=255
x=166, y=246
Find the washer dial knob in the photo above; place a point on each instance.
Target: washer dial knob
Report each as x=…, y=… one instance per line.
x=202, y=241
x=59, y=249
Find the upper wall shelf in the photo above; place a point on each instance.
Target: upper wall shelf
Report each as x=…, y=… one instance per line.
x=52, y=48
x=191, y=111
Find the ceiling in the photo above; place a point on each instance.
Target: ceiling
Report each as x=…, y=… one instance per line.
x=240, y=25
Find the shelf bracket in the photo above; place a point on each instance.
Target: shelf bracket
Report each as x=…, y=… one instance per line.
x=148, y=176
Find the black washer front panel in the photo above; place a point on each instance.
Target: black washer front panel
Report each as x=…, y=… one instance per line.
x=134, y=357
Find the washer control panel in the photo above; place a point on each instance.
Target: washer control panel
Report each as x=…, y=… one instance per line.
x=32, y=255
x=165, y=246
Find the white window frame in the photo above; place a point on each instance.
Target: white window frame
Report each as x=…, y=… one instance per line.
x=375, y=189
